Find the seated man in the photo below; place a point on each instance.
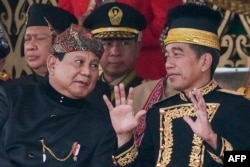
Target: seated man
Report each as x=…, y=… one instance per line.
x=195, y=126
x=51, y=124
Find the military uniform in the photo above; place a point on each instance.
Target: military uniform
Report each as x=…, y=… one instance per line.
x=169, y=141
x=117, y=21
x=129, y=80
x=58, y=121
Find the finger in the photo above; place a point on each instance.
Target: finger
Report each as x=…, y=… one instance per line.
x=193, y=99
x=122, y=93
x=117, y=96
x=200, y=108
x=130, y=98
x=189, y=121
x=201, y=100
x=108, y=103
x=139, y=114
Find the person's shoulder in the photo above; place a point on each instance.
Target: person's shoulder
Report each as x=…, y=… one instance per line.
x=230, y=94
x=27, y=79
x=172, y=99
x=147, y=84
x=25, y=82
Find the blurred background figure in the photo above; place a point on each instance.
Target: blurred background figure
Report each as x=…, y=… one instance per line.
x=4, y=51
x=151, y=56
x=37, y=37
x=119, y=27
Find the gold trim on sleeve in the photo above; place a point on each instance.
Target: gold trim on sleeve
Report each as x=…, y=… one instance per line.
x=126, y=157
x=215, y=158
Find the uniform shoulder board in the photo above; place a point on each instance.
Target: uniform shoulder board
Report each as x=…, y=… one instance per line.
x=4, y=76
x=231, y=92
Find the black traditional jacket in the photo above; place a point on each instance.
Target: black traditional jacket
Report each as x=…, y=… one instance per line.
x=95, y=97
x=169, y=141
x=42, y=128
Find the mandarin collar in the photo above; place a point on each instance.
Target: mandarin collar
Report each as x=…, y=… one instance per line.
x=210, y=86
x=62, y=99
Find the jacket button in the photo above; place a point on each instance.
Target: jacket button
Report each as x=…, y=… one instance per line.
x=53, y=116
x=31, y=155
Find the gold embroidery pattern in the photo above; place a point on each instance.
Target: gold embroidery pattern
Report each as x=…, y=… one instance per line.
x=126, y=157
x=195, y=157
x=193, y=36
x=204, y=90
x=166, y=140
x=216, y=158
x=167, y=115
x=4, y=76
x=226, y=146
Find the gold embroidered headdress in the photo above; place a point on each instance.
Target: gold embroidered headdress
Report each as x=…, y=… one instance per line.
x=194, y=24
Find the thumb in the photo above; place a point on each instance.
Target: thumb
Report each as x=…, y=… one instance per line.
x=139, y=114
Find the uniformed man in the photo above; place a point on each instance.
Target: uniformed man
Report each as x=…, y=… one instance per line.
x=195, y=126
x=119, y=27
x=4, y=51
x=50, y=123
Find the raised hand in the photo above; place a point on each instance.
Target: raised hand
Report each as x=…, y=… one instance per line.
x=201, y=125
x=122, y=115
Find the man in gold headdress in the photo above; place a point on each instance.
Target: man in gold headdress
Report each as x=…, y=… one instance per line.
x=51, y=123
x=195, y=126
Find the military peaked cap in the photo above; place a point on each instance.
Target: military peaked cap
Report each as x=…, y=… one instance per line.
x=115, y=21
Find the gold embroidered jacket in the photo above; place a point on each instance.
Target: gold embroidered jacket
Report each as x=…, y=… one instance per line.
x=169, y=141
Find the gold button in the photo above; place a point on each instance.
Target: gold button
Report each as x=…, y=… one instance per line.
x=158, y=165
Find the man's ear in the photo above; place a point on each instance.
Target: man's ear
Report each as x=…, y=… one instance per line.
x=51, y=61
x=207, y=59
